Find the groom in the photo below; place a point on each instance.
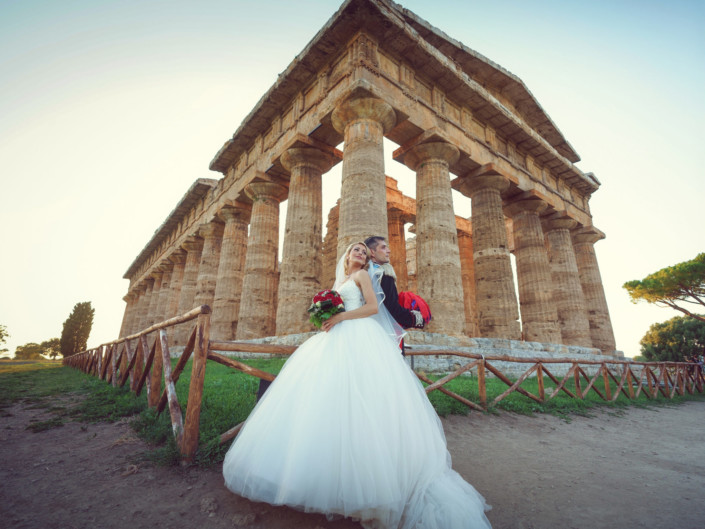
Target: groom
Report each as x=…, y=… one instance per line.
x=379, y=256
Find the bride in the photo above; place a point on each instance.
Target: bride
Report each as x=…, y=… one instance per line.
x=346, y=429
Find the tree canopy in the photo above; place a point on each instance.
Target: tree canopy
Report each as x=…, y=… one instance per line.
x=36, y=351
x=675, y=340
x=77, y=328
x=4, y=335
x=674, y=286
x=28, y=351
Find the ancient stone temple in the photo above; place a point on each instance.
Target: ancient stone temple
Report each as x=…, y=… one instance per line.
x=461, y=122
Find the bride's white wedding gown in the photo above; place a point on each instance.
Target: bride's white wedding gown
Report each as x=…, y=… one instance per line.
x=347, y=429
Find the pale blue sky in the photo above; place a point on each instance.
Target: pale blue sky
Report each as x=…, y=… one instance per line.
x=110, y=110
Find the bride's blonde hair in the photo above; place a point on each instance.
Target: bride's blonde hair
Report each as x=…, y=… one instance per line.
x=347, y=256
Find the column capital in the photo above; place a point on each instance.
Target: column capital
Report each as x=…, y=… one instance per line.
x=166, y=265
x=558, y=221
x=177, y=256
x=471, y=184
x=235, y=211
x=266, y=190
x=192, y=243
x=307, y=156
x=156, y=273
x=525, y=204
x=587, y=234
x=437, y=150
x=211, y=229
x=369, y=108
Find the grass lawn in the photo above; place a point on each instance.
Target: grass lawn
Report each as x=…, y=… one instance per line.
x=229, y=396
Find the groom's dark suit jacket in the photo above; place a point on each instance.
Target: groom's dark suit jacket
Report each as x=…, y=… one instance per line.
x=403, y=316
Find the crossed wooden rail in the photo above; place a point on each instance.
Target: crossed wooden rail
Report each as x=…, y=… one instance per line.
x=143, y=365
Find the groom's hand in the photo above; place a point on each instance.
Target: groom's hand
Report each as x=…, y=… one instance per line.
x=419, y=323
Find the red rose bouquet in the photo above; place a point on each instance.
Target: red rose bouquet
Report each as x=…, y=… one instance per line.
x=325, y=304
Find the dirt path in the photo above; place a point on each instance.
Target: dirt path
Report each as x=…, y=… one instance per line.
x=642, y=468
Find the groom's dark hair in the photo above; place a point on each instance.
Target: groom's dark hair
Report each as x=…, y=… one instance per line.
x=372, y=242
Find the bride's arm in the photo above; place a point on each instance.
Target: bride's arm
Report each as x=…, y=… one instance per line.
x=362, y=279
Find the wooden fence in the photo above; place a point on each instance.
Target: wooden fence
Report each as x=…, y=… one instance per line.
x=133, y=358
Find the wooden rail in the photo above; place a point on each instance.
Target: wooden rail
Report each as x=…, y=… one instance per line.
x=119, y=360
x=133, y=358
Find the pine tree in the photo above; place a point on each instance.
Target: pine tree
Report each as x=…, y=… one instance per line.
x=77, y=328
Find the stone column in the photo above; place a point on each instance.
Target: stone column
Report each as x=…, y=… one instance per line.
x=411, y=264
x=301, y=265
x=212, y=234
x=467, y=271
x=178, y=258
x=167, y=268
x=363, y=195
x=129, y=306
x=497, y=308
x=538, y=311
x=259, y=287
x=397, y=243
x=226, y=301
x=601, y=332
x=330, y=248
x=154, y=311
x=193, y=247
x=437, y=256
x=145, y=302
x=138, y=292
x=567, y=290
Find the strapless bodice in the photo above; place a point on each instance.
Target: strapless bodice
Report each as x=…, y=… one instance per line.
x=352, y=295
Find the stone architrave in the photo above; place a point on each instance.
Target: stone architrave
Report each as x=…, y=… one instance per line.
x=193, y=246
x=167, y=268
x=497, y=307
x=538, y=310
x=212, y=233
x=363, y=195
x=438, y=274
x=601, y=331
x=154, y=311
x=226, y=301
x=145, y=302
x=259, y=286
x=467, y=271
x=301, y=265
x=567, y=290
x=397, y=244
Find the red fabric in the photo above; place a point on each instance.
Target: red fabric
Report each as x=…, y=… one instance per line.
x=412, y=301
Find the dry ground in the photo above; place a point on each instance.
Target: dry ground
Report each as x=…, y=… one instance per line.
x=639, y=468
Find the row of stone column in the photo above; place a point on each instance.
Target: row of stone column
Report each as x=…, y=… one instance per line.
x=251, y=298
x=555, y=306
x=561, y=298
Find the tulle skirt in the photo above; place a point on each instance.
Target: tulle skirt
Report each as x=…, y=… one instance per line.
x=346, y=429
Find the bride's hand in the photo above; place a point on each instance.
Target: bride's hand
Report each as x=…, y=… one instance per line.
x=331, y=322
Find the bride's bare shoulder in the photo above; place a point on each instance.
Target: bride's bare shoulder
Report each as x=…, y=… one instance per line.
x=361, y=277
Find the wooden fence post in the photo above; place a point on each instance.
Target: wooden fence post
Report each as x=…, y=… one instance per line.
x=606, y=379
x=195, y=394
x=154, y=384
x=481, y=387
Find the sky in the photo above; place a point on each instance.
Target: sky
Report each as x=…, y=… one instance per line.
x=109, y=110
